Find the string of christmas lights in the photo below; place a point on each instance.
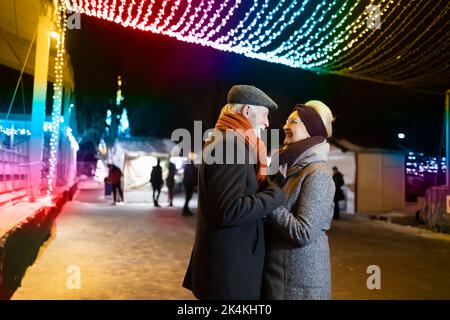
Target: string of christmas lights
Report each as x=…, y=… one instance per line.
x=173, y=11
x=420, y=65
x=310, y=25
x=73, y=142
x=417, y=164
x=430, y=48
x=307, y=46
x=162, y=10
x=241, y=24
x=274, y=35
x=365, y=47
x=325, y=36
x=201, y=22
x=183, y=17
x=210, y=25
x=48, y=127
x=60, y=29
x=391, y=44
x=333, y=50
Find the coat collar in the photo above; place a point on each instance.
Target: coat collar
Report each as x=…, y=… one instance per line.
x=317, y=153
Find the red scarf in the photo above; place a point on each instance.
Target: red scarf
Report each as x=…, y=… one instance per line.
x=240, y=125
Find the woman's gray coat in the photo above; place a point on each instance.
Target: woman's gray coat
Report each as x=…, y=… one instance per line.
x=297, y=253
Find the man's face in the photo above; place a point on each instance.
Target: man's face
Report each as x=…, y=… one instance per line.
x=258, y=117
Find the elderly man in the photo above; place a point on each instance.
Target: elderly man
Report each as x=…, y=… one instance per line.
x=228, y=254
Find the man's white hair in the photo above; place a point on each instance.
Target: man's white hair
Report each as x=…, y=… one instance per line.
x=238, y=108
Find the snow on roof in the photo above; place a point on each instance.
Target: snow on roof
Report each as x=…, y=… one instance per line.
x=346, y=145
x=136, y=146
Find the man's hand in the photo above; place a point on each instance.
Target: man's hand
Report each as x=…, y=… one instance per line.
x=279, y=179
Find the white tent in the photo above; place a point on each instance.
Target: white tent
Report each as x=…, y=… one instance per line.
x=136, y=156
x=377, y=178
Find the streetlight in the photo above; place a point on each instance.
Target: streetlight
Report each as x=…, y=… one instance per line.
x=401, y=135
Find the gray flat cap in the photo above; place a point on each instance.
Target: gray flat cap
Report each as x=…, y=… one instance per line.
x=245, y=94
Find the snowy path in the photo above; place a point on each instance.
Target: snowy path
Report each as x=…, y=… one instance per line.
x=133, y=251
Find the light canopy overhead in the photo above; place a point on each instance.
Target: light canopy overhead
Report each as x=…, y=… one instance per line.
x=392, y=41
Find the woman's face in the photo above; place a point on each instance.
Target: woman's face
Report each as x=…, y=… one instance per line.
x=294, y=129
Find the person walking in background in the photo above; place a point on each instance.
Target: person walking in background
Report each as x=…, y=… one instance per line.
x=190, y=179
x=170, y=181
x=115, y=179
x=338, y=179
x=157, y=182
x=108, y=188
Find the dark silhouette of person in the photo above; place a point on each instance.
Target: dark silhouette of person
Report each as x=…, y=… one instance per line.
x=108, y=187
x=338, y=179
x=170, y=181
x=157, y=182
x=190, y=180
x=114, y=178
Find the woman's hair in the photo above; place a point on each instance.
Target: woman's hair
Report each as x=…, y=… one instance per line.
x=324, y=113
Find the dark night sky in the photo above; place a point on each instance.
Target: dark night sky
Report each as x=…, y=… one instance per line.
x=168, y=84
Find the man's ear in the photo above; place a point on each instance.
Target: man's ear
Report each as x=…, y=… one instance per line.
x=246, y=111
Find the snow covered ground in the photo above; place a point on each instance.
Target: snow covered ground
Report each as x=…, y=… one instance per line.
x=132, y=251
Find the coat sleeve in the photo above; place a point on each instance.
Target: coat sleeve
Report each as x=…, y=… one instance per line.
x=226, y=187
x=313, y=214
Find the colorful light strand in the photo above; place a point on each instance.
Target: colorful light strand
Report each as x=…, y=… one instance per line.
x=325, y=36
x=60, y=29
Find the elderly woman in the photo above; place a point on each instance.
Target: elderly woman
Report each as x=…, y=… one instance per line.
x=297, y=262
